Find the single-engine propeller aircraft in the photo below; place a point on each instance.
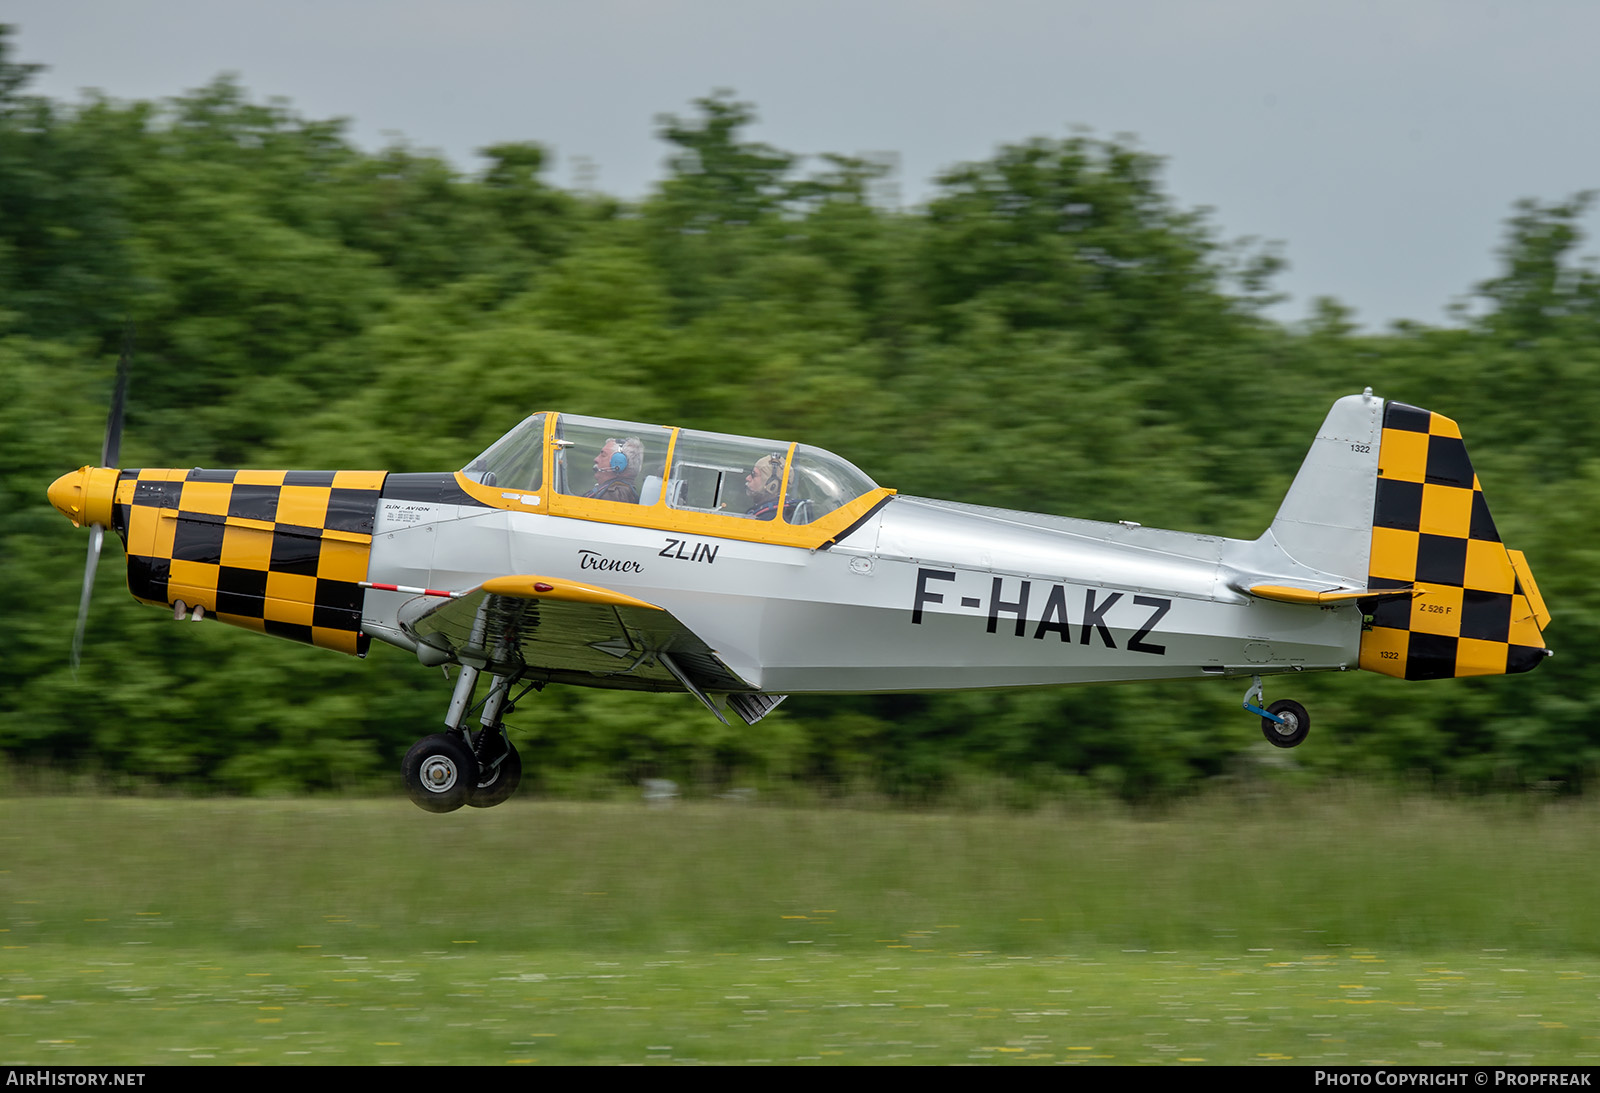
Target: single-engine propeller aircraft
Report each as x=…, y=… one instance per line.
x=741, y=570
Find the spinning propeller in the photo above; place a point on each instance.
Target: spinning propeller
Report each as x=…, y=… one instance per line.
x=85, y=495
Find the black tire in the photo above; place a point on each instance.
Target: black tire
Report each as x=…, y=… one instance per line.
x=497, y=784
x=1296, y=723
x=440, y=773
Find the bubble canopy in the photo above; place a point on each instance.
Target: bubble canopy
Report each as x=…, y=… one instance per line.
x=623, y=463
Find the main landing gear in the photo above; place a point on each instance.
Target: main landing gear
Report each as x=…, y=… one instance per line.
x=440, y=772
x=1285, y=723
x=460, y=767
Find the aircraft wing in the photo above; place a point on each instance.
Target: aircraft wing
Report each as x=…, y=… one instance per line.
x=564, y=631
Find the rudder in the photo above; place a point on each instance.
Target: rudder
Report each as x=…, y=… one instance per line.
x=1465, y=605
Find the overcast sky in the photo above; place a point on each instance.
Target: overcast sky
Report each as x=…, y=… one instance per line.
x=1381, y=143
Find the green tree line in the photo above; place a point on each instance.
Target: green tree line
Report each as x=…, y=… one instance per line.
x=1051, y=331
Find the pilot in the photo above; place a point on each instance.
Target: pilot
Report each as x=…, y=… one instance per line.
x=616, y=469
x=764, y=482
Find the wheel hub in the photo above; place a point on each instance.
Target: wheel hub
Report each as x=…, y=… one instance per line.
x=438, y=774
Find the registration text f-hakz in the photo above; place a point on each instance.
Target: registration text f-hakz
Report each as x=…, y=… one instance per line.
x=1070, y=614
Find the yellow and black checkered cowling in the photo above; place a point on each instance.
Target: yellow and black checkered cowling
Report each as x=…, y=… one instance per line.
x=280, y=552
x=1470, y=606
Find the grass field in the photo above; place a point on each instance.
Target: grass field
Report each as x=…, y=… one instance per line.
x=1338, y=927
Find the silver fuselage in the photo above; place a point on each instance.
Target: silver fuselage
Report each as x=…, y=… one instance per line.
x=923, y=595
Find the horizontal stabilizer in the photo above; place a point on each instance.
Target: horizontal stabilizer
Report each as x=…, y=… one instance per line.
x=1289, y=594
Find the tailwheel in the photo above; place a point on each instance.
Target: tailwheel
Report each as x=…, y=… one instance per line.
x=1293, y=727
x=498, y=777
x=440, y=772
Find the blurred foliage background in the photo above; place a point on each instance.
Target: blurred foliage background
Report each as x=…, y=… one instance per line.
x=1050, y=332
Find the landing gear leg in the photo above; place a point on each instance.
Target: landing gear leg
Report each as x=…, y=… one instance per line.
x=462, y=767
x=1285, y=723
x=461, y=699
x=499, y=765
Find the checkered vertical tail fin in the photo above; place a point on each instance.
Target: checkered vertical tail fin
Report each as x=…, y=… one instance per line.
x=1463, y=605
